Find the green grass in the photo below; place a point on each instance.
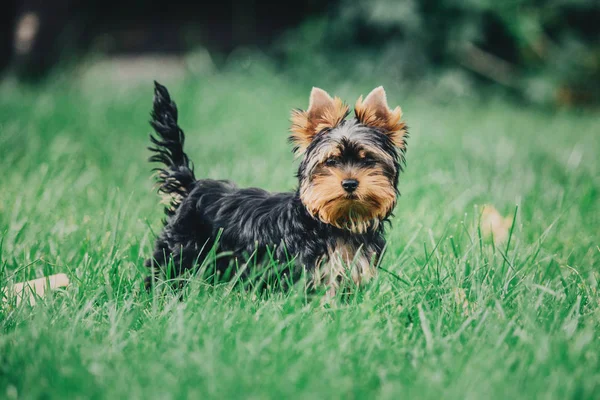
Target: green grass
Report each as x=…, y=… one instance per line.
x=75, y=197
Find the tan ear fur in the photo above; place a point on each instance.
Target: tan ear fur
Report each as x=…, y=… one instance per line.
x=323, y=112
x=374, y=111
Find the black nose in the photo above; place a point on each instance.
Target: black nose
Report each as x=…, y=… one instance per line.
x=350, y=185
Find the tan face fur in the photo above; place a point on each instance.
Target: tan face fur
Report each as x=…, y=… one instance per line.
x=364, y=150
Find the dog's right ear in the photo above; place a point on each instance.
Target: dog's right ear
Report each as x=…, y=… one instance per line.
x=323, y=113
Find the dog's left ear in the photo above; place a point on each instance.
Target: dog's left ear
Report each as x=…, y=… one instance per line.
x=323, y=113
x=374, y=112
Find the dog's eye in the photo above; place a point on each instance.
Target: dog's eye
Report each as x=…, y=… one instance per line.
x=368, y=161
x=331, y=162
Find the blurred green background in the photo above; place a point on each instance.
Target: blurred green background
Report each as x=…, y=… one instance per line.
x=539, y=51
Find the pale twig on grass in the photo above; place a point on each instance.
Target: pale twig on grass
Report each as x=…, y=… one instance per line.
x=35, y=288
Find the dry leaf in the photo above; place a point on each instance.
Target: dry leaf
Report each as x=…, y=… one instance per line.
x=494, y=224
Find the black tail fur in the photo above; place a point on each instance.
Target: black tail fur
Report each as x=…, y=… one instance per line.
x=177, y=177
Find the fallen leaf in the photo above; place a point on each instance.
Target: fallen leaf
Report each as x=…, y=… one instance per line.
x=494, y=224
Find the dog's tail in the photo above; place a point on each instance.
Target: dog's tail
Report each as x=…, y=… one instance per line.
x=176, y=178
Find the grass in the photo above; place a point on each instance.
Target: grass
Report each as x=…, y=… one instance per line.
x=453, y=317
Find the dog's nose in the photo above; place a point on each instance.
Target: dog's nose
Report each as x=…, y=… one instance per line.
x=349, y=185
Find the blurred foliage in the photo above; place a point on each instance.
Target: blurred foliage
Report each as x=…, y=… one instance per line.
x=544, y=51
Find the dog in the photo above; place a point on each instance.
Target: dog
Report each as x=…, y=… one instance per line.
x=331, y=228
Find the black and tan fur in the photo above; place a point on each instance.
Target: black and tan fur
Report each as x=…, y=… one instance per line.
x=332, y=226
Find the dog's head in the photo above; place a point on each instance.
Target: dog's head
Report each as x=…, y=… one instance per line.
x=349, y=169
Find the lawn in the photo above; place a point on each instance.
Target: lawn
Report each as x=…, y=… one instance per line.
x=453, y=316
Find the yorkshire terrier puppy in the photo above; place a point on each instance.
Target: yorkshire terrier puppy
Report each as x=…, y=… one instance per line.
x=331, y=227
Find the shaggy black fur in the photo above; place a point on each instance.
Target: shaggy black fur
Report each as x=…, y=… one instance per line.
x=249, y=223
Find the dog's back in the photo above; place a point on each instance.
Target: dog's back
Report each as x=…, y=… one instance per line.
x=200, y=212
